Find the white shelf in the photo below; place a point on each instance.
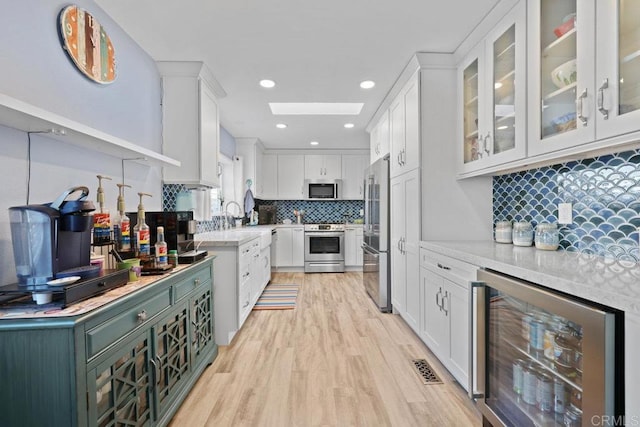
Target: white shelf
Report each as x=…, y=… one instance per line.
x=564, y=46
x=561, y=91
x=28, y=118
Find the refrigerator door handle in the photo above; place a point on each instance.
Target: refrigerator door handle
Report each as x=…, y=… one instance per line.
x=477, y=319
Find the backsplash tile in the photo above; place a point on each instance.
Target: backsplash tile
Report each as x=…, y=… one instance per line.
x=316, y=211
x=604, y=191
x=169, y=193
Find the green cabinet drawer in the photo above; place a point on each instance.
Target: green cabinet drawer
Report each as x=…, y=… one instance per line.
x=197, y=278
x=103, y=335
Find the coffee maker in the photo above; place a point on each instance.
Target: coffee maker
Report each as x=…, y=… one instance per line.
x=179, y=227
x=53, y=240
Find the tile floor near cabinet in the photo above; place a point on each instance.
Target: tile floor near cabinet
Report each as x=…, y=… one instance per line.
x=333, y=360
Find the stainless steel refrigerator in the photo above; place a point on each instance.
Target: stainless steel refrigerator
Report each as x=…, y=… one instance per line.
x=376, y=262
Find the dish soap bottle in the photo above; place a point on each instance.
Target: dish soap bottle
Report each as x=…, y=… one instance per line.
x=161, y=249
x=141, y=232
x=101, y=219
x=123, y=223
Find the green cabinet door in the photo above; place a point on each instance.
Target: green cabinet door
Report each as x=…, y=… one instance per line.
x=202, y=335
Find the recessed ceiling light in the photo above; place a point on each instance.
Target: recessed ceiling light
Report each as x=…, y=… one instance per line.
x=267, y=83
x=349, y=125
x=316, y=108
x=367, y=84
x=281, y=126
x=314, y=143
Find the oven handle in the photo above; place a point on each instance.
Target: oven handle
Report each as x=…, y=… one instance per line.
x=477, y=318
x=324, y=233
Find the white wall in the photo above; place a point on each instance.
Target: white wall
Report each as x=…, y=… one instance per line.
x=35, y=69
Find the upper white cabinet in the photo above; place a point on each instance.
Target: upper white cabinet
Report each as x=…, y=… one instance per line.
x=493, y=108
x=353, y=167
x=291, y=176
x=250, y=150
x=190, y=121
x=404, y=128
x=586, y=60
x=268, y=184
x=379, y=138
x=322, y=166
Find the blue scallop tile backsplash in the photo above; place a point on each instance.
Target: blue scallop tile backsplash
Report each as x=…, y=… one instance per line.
x=316, y=211
x=604, y=191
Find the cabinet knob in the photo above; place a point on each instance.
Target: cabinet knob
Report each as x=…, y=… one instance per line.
x=196, y=282
x=142, y=316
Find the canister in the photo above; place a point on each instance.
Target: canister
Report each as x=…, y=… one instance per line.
x=559, y=396
x=518, y=376
x=526, y=325
x=536, y=334
x=547, y=236
x=544, y=392
x=529, y=384
x=522, y=234
x=503, y=232
x=572, y=417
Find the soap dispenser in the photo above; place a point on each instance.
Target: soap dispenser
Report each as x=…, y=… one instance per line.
x=141, y=232
x=101, y=219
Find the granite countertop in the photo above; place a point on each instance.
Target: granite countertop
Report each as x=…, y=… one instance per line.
x=82, y=307
x=594, y=278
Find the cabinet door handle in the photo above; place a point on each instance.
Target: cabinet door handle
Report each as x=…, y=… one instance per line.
x=155, y=370
x=445, y=297
x=486, y=144
x=403, y=157
x=142, y=316
x=444, y=267
x=246, y=304
x=437, y=299
x=580, y=107
x=604, y=111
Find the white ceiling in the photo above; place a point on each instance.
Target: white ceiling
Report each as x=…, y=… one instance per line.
x=316, y=51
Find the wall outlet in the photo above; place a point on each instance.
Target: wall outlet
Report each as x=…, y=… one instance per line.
x=565, y=213
x=361, y=212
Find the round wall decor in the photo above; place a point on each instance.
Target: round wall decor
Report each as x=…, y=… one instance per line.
x=87, y=44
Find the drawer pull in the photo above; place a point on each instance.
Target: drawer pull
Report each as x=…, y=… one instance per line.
x=246, y=274
x=444, y=267
x=142, y=316
x=102, y=284
x=196, y=282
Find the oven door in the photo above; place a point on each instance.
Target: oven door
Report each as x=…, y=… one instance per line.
x=324, y=246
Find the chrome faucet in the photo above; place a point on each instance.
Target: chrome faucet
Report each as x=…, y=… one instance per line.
x=226, y=210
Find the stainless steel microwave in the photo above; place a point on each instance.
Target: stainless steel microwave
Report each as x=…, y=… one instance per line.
x=322, y=189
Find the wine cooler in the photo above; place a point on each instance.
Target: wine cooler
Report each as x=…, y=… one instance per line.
x=543, y=358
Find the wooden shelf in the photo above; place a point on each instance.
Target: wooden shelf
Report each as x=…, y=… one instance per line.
x=28, y=118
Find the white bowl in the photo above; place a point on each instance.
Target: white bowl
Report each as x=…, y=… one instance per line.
x=565, y=74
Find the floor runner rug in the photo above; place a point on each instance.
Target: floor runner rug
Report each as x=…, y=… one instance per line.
x=278, y=297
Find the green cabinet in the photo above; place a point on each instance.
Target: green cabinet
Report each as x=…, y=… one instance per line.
x=130, y=362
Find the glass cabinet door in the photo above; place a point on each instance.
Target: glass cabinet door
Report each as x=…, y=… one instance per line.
x=618, y=68
x=470, y=90
x=504, y=78
x=562, y=60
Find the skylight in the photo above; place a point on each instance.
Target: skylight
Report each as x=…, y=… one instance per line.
x=316, y=108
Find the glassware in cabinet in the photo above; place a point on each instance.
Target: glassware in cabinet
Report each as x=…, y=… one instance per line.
x=504, y=76
x=629, y=57
x=471, y=112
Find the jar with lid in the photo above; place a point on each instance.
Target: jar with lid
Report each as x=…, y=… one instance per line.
x=503, y=232
x=547, y=236
x=522, y=233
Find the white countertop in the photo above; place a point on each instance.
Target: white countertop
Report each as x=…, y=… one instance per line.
x=594, y=278
x=232, y=237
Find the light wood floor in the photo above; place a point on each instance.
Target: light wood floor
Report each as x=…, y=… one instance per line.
x=333, y=361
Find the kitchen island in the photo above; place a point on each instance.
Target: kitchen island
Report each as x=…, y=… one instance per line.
x=129, y=355
x=595, y=279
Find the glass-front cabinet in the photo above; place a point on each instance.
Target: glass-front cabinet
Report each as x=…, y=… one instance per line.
x=494, y=96
x=584, y=84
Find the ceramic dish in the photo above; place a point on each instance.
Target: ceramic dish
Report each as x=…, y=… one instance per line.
x=63, y=281
x=565, y=74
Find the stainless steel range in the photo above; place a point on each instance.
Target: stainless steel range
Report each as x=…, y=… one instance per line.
x=324, y=248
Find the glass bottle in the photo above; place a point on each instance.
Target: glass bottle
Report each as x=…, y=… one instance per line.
x=161, y=249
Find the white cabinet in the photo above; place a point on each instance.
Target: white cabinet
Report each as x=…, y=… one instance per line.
x=405, y=239
x=404, y=117
x=290, y=247
x=322, y=166
x=492, y=112
x=353, y=167
x=353, y=238
x=250, y=150
x=290, y=176
x=600, y=56
x=190, y=123
x=444, y=319
x=379, y=138
x=268, y=176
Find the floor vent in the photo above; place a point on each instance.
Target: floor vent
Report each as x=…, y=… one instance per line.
x=426, y=372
